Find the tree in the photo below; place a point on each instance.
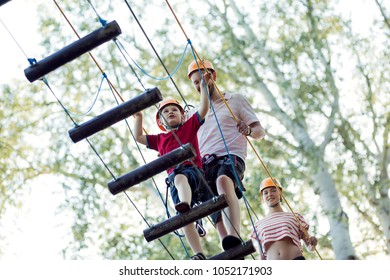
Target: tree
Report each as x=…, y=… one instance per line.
x=296, y=70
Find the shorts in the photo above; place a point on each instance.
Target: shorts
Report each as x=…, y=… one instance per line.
x=195, y=180
x=218, y=166
x=299, y=258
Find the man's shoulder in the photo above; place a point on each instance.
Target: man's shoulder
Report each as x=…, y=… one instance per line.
x=234, y=96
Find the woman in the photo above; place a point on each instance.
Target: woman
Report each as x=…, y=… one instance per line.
x=279, y=232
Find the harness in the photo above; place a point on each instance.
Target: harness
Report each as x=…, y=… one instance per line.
x=211, y=160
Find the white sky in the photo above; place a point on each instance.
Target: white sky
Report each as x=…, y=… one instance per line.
x=37, y=223
x=19, y=16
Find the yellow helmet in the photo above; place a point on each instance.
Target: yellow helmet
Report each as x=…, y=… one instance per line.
x=268, y=182
x=194, y=66
x=162, y=105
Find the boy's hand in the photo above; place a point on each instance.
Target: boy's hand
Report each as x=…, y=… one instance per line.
x=206, y=80
x=138, y=114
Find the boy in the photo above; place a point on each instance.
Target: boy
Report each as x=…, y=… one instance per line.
x=184, y=178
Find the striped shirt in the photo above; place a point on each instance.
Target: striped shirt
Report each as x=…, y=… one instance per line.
x=277, y=226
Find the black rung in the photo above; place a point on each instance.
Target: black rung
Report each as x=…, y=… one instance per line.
x=152, y=168
x=178, y=221
x=236, y=253
x=2, y=2
x=122, y=111
x=85, y=44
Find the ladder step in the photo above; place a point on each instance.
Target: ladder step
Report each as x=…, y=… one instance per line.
x=180, y=220
x=72, y=51
x=237, y=252
x=119, y=113
x=2, y=2
x=152, y=168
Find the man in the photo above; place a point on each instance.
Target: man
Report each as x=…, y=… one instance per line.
x=217, y=163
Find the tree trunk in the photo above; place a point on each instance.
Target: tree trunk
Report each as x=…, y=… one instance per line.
x=337, y=218
x=324, y=184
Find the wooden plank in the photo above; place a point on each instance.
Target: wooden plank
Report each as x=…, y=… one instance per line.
x=236, y=253
x=180, y=220
x=72, y=51
x=152, y=168
x=122, y=111
x=2, y=2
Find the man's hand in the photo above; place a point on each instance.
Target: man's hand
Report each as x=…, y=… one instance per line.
x=243, y=128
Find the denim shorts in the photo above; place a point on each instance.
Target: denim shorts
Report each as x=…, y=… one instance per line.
x=195, y=180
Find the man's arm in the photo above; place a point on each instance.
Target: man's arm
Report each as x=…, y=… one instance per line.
x=255, y=130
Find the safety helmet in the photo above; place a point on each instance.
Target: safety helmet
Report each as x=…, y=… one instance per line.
x=268, y=182
x=194, y=66
x=162, y=105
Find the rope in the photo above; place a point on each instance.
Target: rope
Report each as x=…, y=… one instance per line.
x=90, y=54
x=13, y=38
x=235, y=118
x=104, y=76
x=124, y=53
x=154, y=50
x=169, y=75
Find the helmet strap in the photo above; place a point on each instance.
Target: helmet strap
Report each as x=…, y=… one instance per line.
x=276, y=204
x=167, y=127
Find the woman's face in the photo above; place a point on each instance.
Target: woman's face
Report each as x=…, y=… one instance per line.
x=271, y=196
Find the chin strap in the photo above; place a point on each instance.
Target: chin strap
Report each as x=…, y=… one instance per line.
x=276, y=204
x=167, y=127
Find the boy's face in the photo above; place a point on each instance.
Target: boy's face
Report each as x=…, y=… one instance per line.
x=171, y=116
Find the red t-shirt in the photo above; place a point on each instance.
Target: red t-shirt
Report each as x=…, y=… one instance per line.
x=187, y=133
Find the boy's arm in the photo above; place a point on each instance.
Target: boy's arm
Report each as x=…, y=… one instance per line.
x=204, y=99
x=138, y=134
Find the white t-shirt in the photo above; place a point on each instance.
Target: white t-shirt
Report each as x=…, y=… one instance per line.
x=209, y=135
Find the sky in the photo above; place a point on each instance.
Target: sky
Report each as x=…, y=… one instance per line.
x=19, y=17
x=39, y=223
x=36, y=230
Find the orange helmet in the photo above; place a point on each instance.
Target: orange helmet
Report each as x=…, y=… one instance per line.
x=268, y=182
x=161, y=106
x=194, y=66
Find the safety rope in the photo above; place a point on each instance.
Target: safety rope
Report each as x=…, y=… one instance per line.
x=235, y=118
x=104, y=76
x=154, y=50
x=90, y=54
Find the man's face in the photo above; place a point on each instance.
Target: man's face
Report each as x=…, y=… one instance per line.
x=196, y=80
